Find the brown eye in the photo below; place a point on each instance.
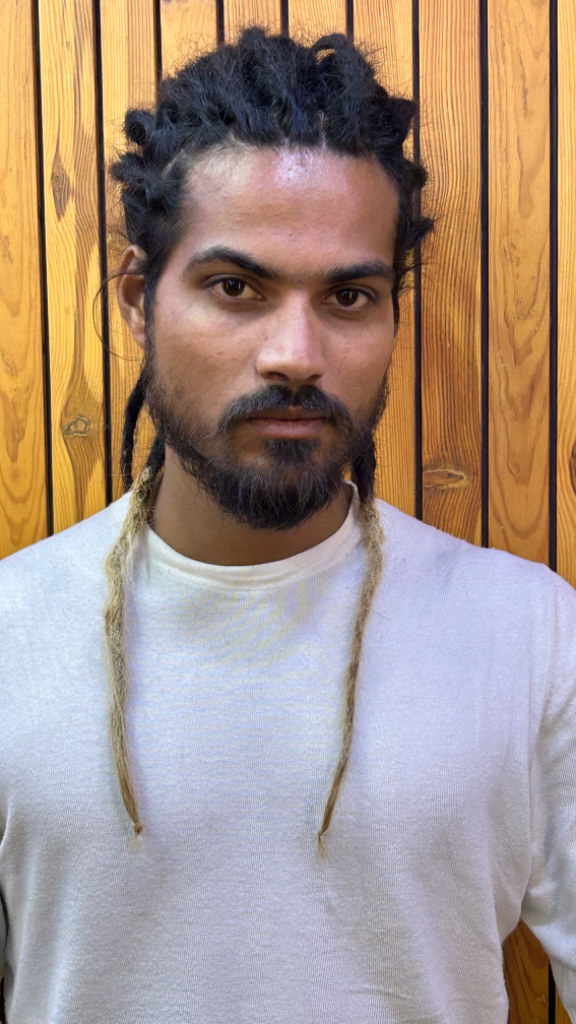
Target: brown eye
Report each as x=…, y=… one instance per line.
x=233, y=287
x=347, y=298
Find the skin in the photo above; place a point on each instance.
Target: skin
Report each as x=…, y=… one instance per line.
x=302, y=213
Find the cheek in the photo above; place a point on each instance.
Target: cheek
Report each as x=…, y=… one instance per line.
x=360, y=369
x=200, y=365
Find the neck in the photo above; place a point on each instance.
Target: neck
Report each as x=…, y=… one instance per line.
x=190, y=522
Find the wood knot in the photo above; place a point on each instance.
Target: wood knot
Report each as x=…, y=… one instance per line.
x=60, y=182
x=78, y=427
x=442, y=478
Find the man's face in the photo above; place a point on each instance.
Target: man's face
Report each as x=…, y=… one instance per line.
x=278, y=300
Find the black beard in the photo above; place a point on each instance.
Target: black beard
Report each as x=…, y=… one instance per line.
x=288, y=486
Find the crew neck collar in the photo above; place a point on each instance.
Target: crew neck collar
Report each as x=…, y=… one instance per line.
x=269, y=574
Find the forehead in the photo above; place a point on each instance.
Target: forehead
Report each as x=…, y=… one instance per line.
x=300, y=209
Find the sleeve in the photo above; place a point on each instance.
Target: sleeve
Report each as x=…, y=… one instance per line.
x=549, y=904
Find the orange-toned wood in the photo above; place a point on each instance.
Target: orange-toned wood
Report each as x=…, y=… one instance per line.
x=22, y=440
x=128, y=80
x=388, y=29
x=188, y=27
x=519, y=275
x=566, y=479
x=566, y=537
x=73, y=258
x=526, y=977
x=451, y=282
x=309, y=19
x=240, y=13
x=519, y=151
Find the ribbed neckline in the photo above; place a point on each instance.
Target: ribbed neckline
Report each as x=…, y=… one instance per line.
x=288, y=570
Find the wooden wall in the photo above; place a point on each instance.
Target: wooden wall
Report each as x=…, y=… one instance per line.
x=479, y=438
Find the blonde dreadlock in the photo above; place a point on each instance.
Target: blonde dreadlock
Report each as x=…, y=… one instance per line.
x=373, y=541
x=138, y=515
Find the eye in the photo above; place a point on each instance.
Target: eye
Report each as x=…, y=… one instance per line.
x=234, y=288
x=347, y=298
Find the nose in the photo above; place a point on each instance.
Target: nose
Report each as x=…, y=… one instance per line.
x=293, y=349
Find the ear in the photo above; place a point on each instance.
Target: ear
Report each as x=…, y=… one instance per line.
x=130, y=293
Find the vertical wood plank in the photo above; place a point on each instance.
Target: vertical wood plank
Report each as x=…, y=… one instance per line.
x=526, y=977
x=128, y=80
x=566, y=451
x=566, y=537
x=188, y=27
x=310, y=19
x=22, y=435
x=451, y=284
x=519, y=179
x=73, y=258
x=388, y=29
x=238, y=14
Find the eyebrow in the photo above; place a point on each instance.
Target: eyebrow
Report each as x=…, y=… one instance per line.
x=372, y=268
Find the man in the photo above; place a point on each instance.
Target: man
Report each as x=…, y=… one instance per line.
x=275, y=752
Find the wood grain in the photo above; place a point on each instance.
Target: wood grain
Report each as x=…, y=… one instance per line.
x=238, y=14
x=73, y=258
x=519, y=182
x=310, y=19
x=566, y=479
x=386, y=31
x=526, y=977
x=519, y=276
x=566, y=536
x=22, y=436
x=128, y=81
x=188, y=27
x=451, y=281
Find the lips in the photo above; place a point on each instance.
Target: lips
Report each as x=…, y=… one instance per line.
x=288, y=423
x=287, y=414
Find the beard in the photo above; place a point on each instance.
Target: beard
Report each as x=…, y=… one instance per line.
x=291, y=479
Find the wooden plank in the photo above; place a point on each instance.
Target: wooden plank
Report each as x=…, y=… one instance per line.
x=451, y=282
x=566, y=537
x=22, y=438
x=566, y=521
x=566, y=478
x=238, y=14
x=519, y=280
x=187, y=27
x=388, y=29
x=128, y=81
x=526, y=977
x=73, y=258
x=518, y=45
x=310, y=19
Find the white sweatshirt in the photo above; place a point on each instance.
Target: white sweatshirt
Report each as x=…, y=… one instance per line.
x=456, y=818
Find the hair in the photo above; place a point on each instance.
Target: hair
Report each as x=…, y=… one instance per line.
x=265, y=91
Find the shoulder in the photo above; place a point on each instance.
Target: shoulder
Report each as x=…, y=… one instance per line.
x=47, y=569
x=478, y=575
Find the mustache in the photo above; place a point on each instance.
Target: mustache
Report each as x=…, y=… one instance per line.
x=280, y=396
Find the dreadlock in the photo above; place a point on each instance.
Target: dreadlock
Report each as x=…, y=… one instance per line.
x=265, y=91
